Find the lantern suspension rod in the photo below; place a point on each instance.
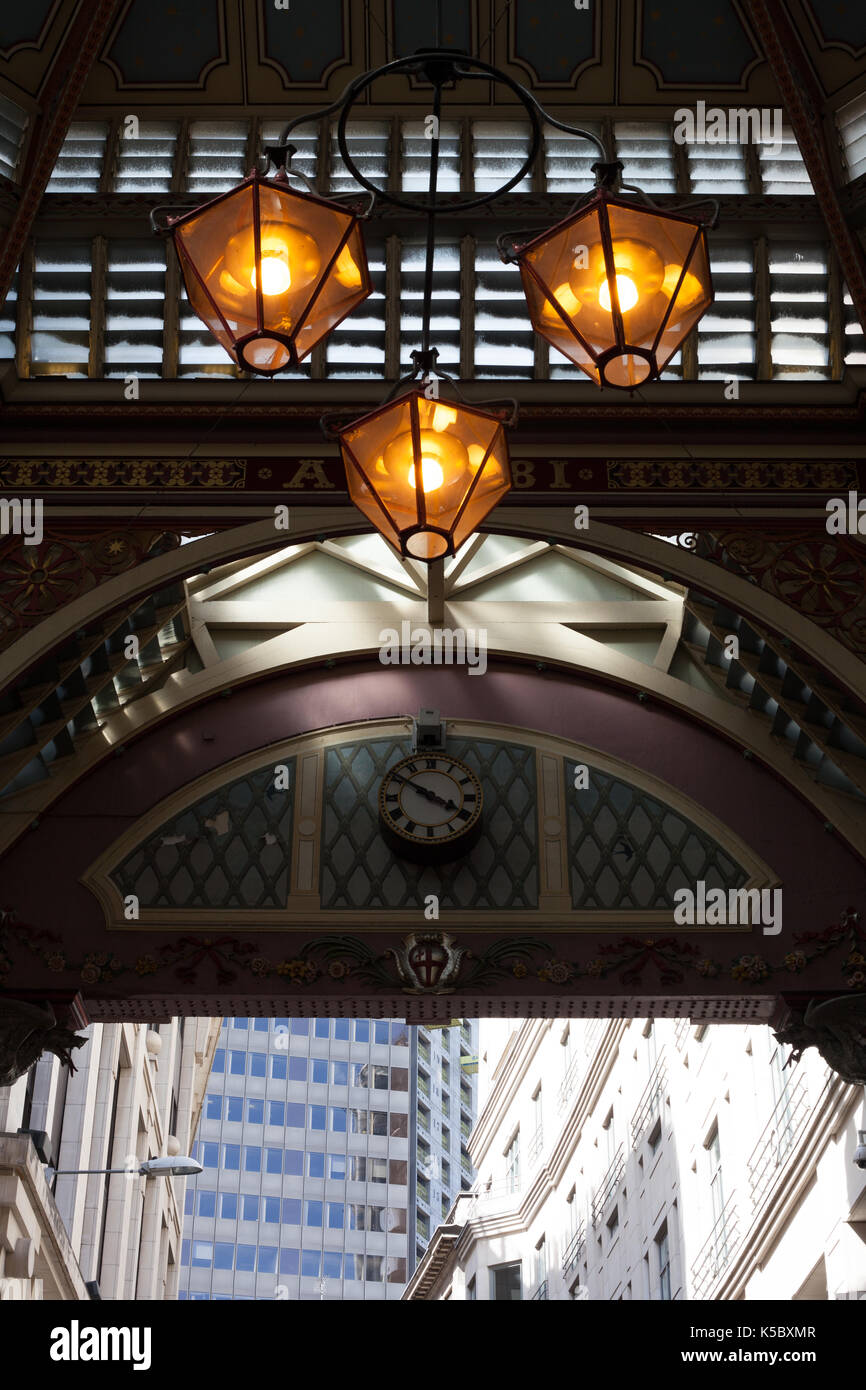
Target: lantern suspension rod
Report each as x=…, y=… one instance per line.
x=432, y=187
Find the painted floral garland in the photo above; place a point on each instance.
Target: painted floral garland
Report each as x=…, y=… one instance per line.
x=339, y=956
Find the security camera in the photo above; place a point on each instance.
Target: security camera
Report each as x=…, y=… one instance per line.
x=860, y=1151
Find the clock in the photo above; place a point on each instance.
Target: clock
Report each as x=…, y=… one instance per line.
x=430, y=807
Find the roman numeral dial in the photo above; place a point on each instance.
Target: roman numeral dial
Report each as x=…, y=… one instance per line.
x=430, y=807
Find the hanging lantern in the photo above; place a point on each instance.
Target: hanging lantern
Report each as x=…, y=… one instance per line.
x=270, y=270
x=426, y=472
x=617, y=287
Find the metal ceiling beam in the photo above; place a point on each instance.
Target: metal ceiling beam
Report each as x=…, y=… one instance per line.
x=804, y=104
x=57, y=100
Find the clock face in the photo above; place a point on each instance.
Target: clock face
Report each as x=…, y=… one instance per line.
x=430, y=806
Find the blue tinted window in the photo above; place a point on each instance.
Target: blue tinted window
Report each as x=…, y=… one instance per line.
x=258, y=1064
x=332, y=1264
x=255, y=1112
x=341, y=1028
x=229, y=1206
x=297, y=1068
x=317, y=1117
x=282, y=1024
x=362, y=1030
x=295, y=1115
x=246, y=1257
x=340, y=1073
x=267, y=1259
x=276, y=1112
x=274, y=1161
x=235, y=1108
x=317, y=1165
x=188, y=1201
x=291, y=1211
x=232, y=1157
x=249, y=1208
x=202, y=1254
x=261, y=1025
x=381, y=1030
x=240, y=1023
x=294, y=1162
x=223, y=1255
x=272, y=1210
x=219, y=1060
x=278, y=1068
x=184, y=1252
x=337, y=1166
x=288, y=1261
x=214, y=1108
x=399, y=1034
x=238, y=1061
x=207, y=1204
x=320, y=1072
x=209, y=1156
x=338, y=1119
x=335, y=1216
x=310, y=1262
x=252, y=1159
x=300, y=1027
x=323, y=1027
x=314, y=1214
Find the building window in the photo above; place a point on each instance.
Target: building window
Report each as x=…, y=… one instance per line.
x=512, y=1164
x=664, y=1263
x=537, y=1128
x=506, y=1283
x=540, y=1262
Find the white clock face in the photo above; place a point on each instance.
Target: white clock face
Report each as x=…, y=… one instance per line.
x=431, y=799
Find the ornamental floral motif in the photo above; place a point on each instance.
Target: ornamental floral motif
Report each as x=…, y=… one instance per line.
x=670, y=959
x=750, y=968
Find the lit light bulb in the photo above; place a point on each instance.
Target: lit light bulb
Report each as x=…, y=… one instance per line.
x=346, y=270
x=432, y=476
x=276, y=276
x=626, y=290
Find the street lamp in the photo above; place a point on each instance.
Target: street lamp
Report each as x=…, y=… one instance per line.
x=177, y=1167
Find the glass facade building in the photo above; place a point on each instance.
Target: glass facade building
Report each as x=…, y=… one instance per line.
x=331, y=1149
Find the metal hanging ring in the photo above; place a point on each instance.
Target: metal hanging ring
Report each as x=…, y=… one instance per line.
x=411, y=65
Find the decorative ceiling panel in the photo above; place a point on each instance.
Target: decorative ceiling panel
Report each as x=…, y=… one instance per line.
x=24, y=25
x=690, y=44
x=305, y=41
x=553, y=39
x=168, y=43
x=841, y=22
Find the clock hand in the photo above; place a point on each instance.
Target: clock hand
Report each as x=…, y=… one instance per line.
x=426, y=793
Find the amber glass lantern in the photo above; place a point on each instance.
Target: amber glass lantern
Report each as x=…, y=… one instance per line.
x=426, y=472
x=271, y=270
x=617, y=287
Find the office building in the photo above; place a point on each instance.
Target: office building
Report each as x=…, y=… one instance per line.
x=654, y=1160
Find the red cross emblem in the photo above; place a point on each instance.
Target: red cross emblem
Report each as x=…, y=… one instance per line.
x=428, y=959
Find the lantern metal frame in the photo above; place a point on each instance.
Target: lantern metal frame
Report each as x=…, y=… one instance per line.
x=177, y=218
